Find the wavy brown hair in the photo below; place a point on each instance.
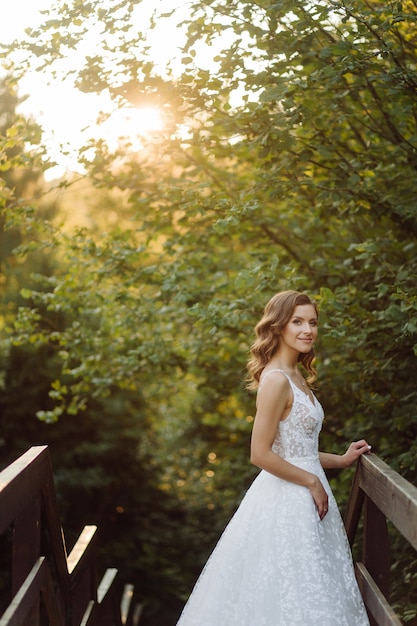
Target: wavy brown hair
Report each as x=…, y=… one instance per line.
x=277, y=314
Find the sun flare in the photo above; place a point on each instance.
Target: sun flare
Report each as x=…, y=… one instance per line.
x=133, y=124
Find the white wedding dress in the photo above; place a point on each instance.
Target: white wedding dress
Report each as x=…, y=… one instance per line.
x=276, y=563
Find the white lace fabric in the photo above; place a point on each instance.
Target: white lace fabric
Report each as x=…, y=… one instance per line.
x=298, y=435
x=276, y=563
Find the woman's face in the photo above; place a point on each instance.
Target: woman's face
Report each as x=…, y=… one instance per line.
x=301, y=331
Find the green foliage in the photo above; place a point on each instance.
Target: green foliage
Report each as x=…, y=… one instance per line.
x=288, y=160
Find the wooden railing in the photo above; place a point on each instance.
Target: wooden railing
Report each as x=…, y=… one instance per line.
x=383, y=495
x=63, y=587
x=66, y=586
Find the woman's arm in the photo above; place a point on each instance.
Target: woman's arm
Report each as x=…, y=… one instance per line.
x=340, y=461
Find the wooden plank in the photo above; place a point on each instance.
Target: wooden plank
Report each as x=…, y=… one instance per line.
x=83, y=547
x=20, y=481
x=20, y=607
x=392, y=494
x=137, y=614
x=105, y=584
x=9, y=473
x=374, y=599
x=126, y=604
x=88, y=617
x=24, y=599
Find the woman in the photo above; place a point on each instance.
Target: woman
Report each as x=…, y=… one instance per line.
x=284, y=559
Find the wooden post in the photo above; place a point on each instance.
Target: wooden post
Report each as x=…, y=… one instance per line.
x=83, y=574
x=376, y=553
x=26, y=550
x=84, y=594
x=354, y=507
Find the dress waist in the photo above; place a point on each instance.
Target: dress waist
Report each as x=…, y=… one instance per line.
x=301, y=459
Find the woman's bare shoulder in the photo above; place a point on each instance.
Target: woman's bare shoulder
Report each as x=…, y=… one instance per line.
x=273, y=385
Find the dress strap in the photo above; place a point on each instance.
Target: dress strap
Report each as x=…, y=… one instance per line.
x=263, y=376
x=293, y=386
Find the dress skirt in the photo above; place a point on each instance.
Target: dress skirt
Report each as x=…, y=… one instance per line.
x=278, y=564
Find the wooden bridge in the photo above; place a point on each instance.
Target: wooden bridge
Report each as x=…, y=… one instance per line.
x=63, y=588
x=65, y=591
x=383, y=495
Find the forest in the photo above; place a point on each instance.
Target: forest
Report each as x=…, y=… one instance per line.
x=130, y=288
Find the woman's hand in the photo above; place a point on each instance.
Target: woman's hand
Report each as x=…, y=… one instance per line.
x=355, y=450
x=320, y=497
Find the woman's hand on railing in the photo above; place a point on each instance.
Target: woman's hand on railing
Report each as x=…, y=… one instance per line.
x=355, y=450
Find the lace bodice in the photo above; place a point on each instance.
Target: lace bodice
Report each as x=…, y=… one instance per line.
x=298, y=435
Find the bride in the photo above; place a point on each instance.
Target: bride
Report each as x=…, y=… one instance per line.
x=283, y=559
